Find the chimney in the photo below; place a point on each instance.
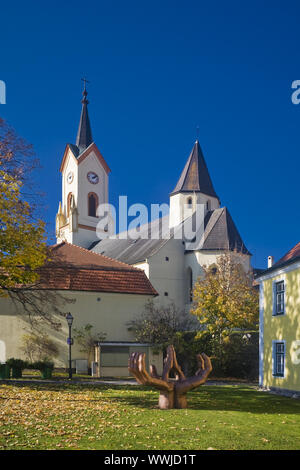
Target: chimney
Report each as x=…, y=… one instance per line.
x=270, y=261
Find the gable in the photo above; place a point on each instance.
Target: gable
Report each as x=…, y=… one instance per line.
x=73, y=151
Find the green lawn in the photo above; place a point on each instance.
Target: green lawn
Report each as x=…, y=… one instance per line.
x=74, y=416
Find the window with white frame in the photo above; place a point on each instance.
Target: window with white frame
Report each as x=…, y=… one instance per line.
x=279, y=292
x=278, y=358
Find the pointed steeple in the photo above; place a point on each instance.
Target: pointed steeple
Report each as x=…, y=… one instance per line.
x=195, y=176
x=84, y=134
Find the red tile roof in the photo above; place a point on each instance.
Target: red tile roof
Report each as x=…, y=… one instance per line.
x=74, y=268
x=290, y=255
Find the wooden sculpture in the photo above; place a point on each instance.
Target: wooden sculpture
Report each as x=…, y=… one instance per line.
x=172, y=391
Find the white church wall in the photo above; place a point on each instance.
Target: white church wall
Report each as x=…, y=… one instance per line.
x=90, y=164
x=166, y=273
x=82, y=237
x=197, y=259
x=71, y=166
x=80, y=187
x=207, y=257
x=180, y=209
x=145, y=267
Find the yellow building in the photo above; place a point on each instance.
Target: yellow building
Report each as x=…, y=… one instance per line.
x=280, y=324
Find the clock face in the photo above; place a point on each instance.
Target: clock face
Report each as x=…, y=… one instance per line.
x=92, y=177
x=70, y=177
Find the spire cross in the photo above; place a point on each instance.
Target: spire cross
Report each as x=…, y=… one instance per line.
x=85, y=81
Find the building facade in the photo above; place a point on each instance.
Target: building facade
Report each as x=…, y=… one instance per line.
x=279, y=350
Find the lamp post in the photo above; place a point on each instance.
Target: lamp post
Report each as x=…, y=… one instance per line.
x=69, y=319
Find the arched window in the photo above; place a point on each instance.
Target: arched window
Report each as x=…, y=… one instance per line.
x=190, y=202
x=70, y=195
x=213, y=269
x=92, y=204
x=189, y=285
x=208, y=205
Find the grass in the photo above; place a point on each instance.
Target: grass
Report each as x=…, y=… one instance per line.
x=78, y=416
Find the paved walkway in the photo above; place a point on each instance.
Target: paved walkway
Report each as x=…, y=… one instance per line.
x=96, y=381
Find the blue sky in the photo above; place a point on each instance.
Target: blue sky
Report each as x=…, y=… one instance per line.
x=157, y=70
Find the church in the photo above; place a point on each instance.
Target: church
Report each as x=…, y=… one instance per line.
x=171, y=263
x=111, y=278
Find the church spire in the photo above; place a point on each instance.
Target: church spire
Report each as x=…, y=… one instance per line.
x=84, y=134
x=195, y=176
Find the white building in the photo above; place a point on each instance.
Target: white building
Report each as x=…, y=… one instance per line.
x=171, y=263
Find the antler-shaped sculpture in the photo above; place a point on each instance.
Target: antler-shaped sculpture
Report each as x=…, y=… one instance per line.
x=172, y=392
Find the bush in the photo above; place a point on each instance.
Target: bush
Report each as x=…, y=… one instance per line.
x=4, y=371
x=17, y=366
x=45, y=367
x=41, y=365
x=190, y=343
x=237, y=356
x=17, y=363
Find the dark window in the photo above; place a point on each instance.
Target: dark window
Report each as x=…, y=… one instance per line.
x=167, y=258
x=92, y=202
x=114, y=356
x=279, y=298
x=190, y=202
x=166, y=294
x=190, y=285
x=278, y=359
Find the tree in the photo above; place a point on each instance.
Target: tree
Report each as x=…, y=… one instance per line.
x=87, y=339
x=160, y=325
x=225, y=299
x=38, y=347
x=22, y=240
x=17, y=158
x=23, y=249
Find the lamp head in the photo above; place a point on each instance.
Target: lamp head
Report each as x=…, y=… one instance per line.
x=69, y=319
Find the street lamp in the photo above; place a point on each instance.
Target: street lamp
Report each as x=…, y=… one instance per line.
x=69, y=319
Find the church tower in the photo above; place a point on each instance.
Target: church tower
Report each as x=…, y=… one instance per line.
x=193, y=187
x=84, y=186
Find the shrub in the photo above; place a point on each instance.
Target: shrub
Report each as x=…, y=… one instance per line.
x=237, y=356
x=16, y=363
x=42, y=365
x=17, y=366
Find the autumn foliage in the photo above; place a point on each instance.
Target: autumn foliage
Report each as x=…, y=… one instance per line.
x=22, y=239
x=225, y=299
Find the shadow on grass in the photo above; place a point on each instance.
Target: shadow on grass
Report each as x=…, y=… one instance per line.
x=216, y=398
x=213, y=397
